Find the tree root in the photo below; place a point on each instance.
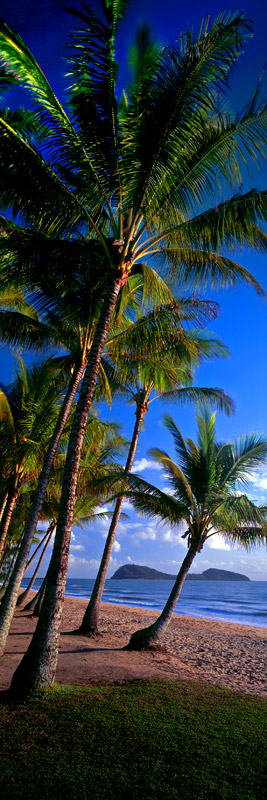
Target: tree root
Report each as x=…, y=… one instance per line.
x=144, y=639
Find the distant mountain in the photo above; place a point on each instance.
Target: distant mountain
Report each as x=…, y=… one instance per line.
x=144, y=573
x=137, y=572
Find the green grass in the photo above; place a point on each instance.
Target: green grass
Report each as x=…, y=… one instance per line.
x=153, y=740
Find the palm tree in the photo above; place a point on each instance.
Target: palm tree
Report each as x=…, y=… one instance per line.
x=168, y=375
x=205, y=497
x=27, y=411
x=143, y=179
x=57, y=327
x=103, y=444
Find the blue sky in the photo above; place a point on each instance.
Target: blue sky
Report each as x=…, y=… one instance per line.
x=243, y=315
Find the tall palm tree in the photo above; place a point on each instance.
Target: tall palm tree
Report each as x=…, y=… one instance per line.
x=163, y=326
x=140, y=180
x=102, y=446
x=27, y=416
x=60, y=326
x=205, y=484
x=166, y=375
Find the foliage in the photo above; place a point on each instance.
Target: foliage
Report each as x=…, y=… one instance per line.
x=205, y=484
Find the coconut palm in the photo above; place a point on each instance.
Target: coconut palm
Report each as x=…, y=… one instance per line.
x=162, y=327
x=103, y=444
x=27, y=411
x=59, y=326
x=131, y=182
x=206, y=497
x=164, y=375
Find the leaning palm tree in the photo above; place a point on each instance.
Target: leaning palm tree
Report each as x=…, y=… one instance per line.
x=27, y=415
x=143, y=180
x=205, y=484
x=166, y=375
x=56, y=324
x=102, y=446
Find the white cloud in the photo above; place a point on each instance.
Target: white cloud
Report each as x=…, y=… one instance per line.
x=217, y=542
x=143, y=463
x=116, y=547
x=173, y=538
x=127, y=505
x=74, y=561
x=262, y=483
x=76, y=547
x=142, y=534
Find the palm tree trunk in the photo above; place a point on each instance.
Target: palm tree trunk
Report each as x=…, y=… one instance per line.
x=3, y=505
x=39, y=599
x=146, y=638
x=9, y=602
x=23, y=596
x=31, y=559
x=38, y=666
x=3, y=587
x=7, y=516
x=89, y=625
x=36, y=601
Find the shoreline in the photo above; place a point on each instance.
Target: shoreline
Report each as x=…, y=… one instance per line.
x=157, y=612
x=221, y=653
x=248, y=611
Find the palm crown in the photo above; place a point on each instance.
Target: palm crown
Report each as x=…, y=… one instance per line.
x=205, y=485
x=143, y=178
x=203, y=495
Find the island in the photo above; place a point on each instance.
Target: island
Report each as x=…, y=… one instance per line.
x=137, y=572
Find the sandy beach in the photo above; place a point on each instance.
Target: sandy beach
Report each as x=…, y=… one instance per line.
x=215, y=652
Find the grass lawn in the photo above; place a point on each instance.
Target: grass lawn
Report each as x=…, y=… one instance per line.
x=144, y=739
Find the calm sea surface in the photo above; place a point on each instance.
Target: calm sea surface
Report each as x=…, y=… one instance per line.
x=230, y=601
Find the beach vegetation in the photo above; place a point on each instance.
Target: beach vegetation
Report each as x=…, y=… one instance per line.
x=206, y=495
x=165, y=375
x=146, y=184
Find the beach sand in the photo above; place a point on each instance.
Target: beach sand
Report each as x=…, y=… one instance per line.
x=215, y=652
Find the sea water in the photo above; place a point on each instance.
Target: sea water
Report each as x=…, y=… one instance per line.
x=244, y=602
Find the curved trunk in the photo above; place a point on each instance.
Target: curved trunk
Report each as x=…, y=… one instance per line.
x=34, y=602
x=3, y=587
x=89, y=625
x=9, y=602
x=23, y=596
x=146, y=638
x=7, y=516
x=3, y=505
x=40, y=599
x=36, y=550
x=38, y=666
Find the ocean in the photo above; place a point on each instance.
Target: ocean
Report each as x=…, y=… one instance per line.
x=229, y=601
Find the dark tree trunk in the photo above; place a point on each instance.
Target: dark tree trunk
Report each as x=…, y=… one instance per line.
x=40, y=599
x=36, y=551
x=3, y=505
x=89, y=625
x=24, y=595
x=147, y=638
x=3, y=587
x=9, y=602
x=34, y=603
x=7, y=516
x=38, y=666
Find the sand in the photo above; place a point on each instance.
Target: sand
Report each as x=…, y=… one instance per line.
x=215, y=652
